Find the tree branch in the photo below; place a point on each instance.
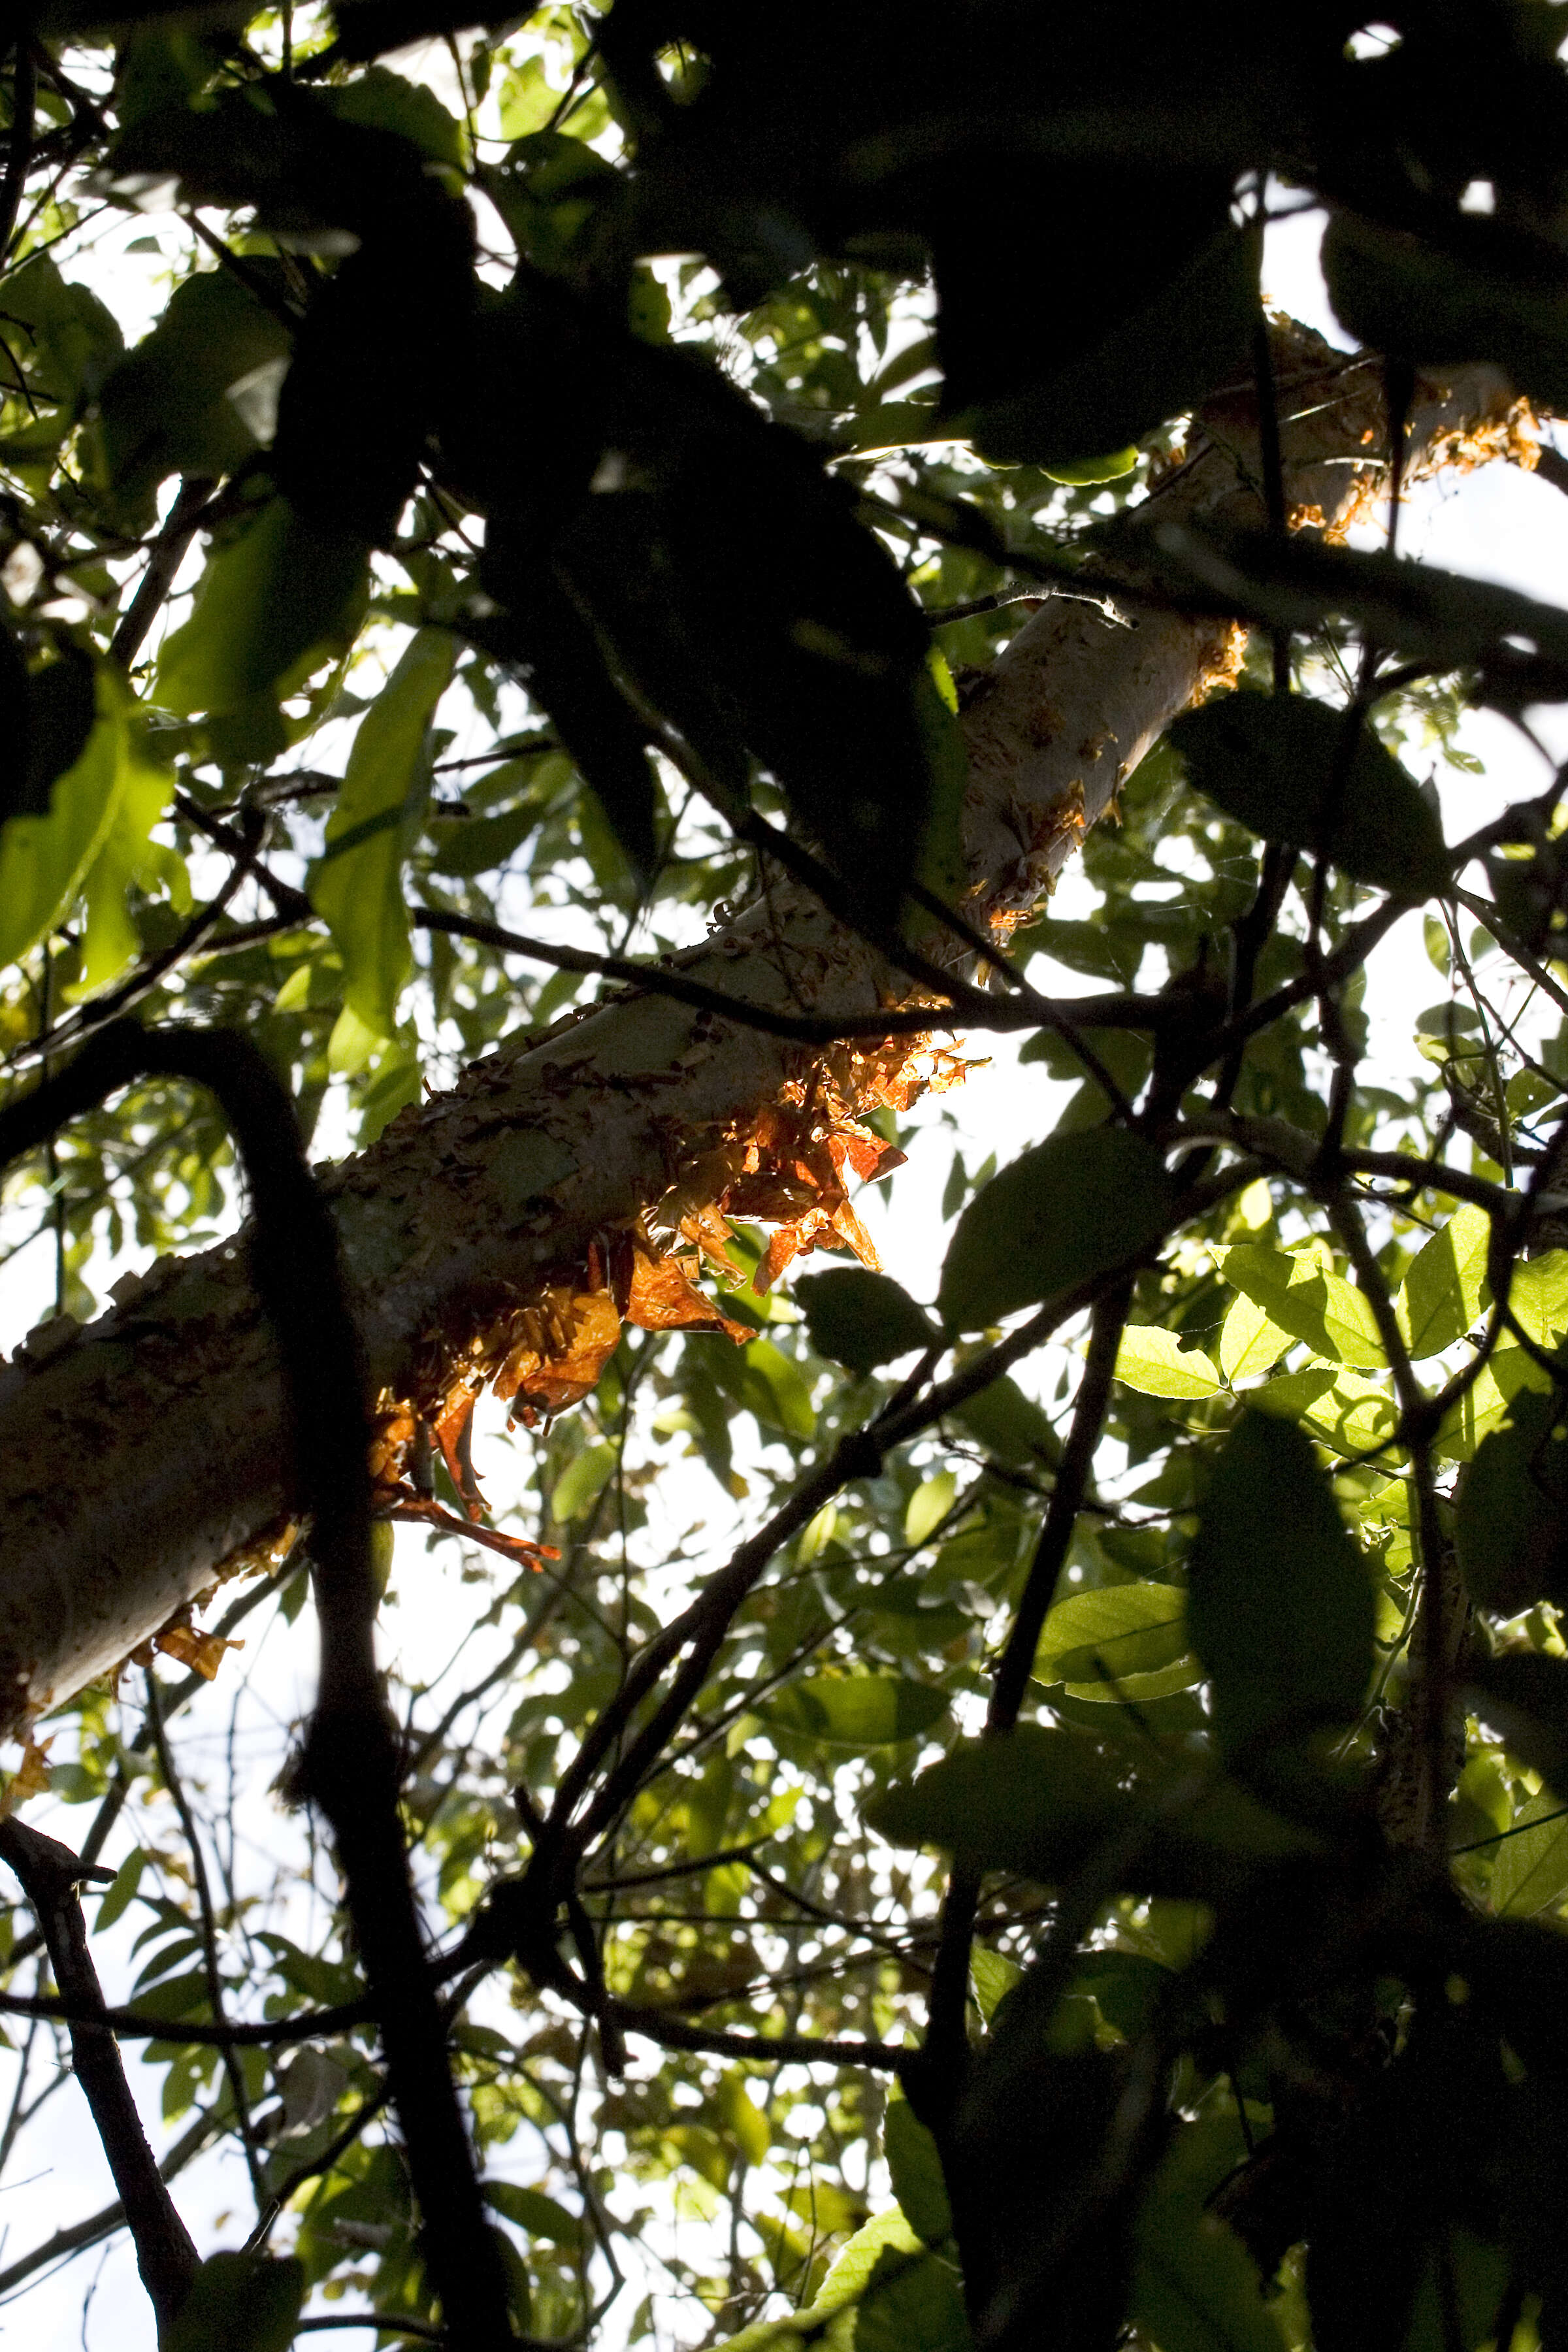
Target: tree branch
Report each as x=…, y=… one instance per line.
x=165, y=2256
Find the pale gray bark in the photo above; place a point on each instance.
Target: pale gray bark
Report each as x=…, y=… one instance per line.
x=139, y=1454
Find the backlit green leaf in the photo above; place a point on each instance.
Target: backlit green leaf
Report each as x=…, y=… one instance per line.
x=1127, y=1641
x=1248, y=1342
x=1299, y=1295
x=914, y=2166
x=855, y=1710
x=1530, y=1865
x=1441, y=1295
x=357, y=884
x=1153, y=1360
x=276, y=600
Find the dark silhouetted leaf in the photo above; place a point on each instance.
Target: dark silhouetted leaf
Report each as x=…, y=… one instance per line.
x=177, y=404
x=244, y=2303
x=1272, y=763
x=1280, y=1604
x=1195, y=2286
x=1466, y=297
x=1073, y=1207
x=1052, y=1802
x=1190, y=334
x=564, y=667
x=1519, y=645
x=1510, y=1522
x=98, y=810
x=49, y=716
x=861, y=1319
x=1523, y=1694
x=1009, y=1424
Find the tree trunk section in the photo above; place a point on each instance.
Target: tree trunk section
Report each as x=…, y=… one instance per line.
x=141, y=1455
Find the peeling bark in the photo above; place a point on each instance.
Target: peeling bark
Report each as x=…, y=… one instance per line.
x=142, y=1457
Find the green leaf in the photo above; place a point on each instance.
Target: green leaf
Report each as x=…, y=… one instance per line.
x=111, y=940
x=65, y=338
x=777, y=1389
x=1149, y=366
x=1051, y=1802
x=1524, y=1695
x=479, y=845
x=993, y=1976
x=1442, y=618
x=928, y=1507
x=940, y=860
x=383, y=100
x=1035, y=1799
x=277, y=600
x=1194, y=2287
x=1073, y=1207
x=1511, y=1518
x=851, y=2274
x=1280, y=1604
x=1298, y=1294
x=121, y=1894
x=1153, y=1360
x=582, y=1481
x=1248, y=1342
x=1351, y=1414
x=245, y=2302
x=861, y=1319
x=912, y=2307
x=45, y=859
x=357, y=884
x=182, y=402
x=886, y=2293
x=532, y=2210
x=914, y=2166
x=1485, y=1403
x=855, y=1710
x=1108, y=468
x=1531, y=1868
x=1126, y=1642
x=1272, y=760
x=1009, y=1424
x=1444, y=1287
x=1538, y=1297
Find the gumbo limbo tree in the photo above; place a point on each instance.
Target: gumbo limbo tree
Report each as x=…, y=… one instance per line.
x=766, y=491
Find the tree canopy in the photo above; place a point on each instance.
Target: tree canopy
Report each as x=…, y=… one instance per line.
x=572, y=586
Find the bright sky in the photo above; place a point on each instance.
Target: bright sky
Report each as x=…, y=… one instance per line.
x=1500, y=524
